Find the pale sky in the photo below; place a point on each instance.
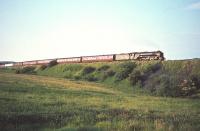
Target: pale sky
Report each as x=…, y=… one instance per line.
x=41, y=29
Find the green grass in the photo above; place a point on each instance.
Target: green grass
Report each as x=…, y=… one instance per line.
x=156, y=78
x=30, y=102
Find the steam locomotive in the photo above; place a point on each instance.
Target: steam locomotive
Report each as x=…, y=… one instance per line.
x=139, y=56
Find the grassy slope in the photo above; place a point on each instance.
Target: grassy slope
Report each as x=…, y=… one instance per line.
x=45, y=103
x=70, y=71
x=176, y=70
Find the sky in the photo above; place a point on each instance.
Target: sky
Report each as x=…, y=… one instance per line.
x=42, y=29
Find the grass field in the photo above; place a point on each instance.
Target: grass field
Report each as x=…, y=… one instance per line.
x=30, y=102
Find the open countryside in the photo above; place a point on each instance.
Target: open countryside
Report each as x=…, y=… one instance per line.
x=99, y=65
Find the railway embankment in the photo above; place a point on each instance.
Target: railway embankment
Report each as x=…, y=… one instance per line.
x=174, y=78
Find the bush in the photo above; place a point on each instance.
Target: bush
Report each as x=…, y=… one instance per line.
x=188, y=87
x=52, y=63
x=171, y=85
x=42, y=67
x=144, y=74
x=164, y=85
x=195, y=80
x=152, y=68
x=152, y=83
x=26, y=70
x=90, y=77
x=88, y=70
x=103, y=68
x=108, y=73
x=135, y=77
x=156, y=67
x=124, y=70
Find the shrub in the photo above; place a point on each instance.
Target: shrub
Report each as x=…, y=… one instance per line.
x=108, y=73
x=145, y=73
x=88, y=70
x=26, y=70
x=135, y=77
x=103, y=68
x=72, y=67
x=152, y=83
x=156, y=67
x=187, y=87
x=195, y=80
x=90, y=77
x=124, y=70
x=152, y=68
x=42, y=67
x=171, y=85
x=163, y=84
x=52, y=63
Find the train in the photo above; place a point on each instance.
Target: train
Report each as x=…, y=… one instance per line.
x=137, y=56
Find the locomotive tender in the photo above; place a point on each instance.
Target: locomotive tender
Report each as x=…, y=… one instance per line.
x=140, y=56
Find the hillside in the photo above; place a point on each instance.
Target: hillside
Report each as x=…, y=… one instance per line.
x=178, y=78
x=31, y=102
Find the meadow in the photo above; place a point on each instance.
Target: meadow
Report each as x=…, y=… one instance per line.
x=32, y=102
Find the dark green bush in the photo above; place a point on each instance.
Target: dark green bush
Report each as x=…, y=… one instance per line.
x=176, y=85
x=135, y=77
x=124, y=70
x=144, y=74
x=90, y=77
x=195, y=80
x=88, y=70
x=164, y=85
x=42, y=67
x=52, y=63
x=108, y=73
x=156, y=67
x=103, y=68
x=152, y=68
x=26, y=70
x=152, y=83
